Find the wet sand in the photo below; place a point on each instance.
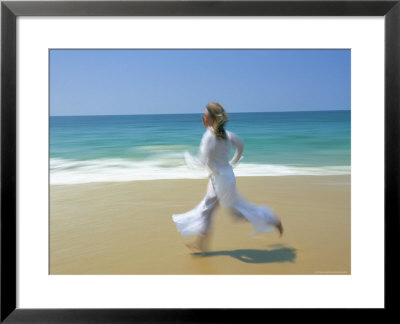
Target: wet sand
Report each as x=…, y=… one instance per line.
x=125, y=228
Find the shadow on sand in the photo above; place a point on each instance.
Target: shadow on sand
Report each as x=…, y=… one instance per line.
x=284, y=254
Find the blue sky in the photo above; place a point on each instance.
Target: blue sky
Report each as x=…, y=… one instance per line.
x=125, y=82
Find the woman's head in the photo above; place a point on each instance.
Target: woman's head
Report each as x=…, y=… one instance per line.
x=216, y=117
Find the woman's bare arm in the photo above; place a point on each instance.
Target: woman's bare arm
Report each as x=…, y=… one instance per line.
x=239, y=148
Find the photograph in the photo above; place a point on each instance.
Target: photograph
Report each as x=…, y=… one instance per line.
x=192, y=161
x=199, y=161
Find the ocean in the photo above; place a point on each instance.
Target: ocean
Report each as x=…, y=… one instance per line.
x=147, y=147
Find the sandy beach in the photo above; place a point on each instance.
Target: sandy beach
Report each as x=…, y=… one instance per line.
x=125, y=228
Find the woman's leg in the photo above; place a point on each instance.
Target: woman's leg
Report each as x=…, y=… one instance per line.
x=198, y=220
x=239, y=215
x=262, y=218
x=210, y=205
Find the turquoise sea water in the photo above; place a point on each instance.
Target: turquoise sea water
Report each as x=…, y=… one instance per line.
x=145, y=147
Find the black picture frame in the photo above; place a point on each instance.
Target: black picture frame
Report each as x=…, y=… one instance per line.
x=10, y=10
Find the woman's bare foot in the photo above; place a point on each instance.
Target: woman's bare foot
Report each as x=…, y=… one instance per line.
x=203, y=243
x=200, y=246
x=280, y=228
x=193, y=247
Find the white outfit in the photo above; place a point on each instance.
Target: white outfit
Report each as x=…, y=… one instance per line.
x=214, y=156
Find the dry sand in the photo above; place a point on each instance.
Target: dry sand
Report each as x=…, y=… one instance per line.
x=126, y=228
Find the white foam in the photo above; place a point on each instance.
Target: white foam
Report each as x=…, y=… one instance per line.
x=247, y=169
x=119, y=170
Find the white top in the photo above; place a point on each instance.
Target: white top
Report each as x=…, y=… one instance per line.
x=214, y=152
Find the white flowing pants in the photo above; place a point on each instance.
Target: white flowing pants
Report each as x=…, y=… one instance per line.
x=198, y=220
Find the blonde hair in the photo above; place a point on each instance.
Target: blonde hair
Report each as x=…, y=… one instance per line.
x=218, y=114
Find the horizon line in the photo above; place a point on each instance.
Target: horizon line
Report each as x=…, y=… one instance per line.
x=199, y=113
